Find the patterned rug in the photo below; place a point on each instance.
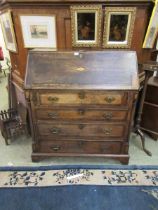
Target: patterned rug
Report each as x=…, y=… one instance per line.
x=79, y=188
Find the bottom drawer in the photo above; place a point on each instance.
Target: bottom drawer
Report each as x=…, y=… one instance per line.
x=83, y=147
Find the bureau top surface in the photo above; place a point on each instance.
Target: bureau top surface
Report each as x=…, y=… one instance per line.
x=91, y=70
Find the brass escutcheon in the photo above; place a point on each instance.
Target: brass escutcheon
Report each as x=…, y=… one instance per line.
x=81, y=95
x=81, y=143
x=81, y=126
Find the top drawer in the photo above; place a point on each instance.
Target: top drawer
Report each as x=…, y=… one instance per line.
x=82, y=97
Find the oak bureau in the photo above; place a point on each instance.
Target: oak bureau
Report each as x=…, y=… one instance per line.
x=81, y=103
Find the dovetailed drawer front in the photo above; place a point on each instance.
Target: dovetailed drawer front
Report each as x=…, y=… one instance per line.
x=81, y=129
x=94, y=98
x=81, y=146
x=80, y=114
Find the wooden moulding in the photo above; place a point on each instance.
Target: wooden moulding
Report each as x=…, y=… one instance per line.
x=85, y=1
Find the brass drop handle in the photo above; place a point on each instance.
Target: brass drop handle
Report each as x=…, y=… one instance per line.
x=81, y=95
x=55, y=148
x=55, y=130
x=108, y=116
x=81, y=111
x=53, y=115
x=53, y=99
x=109, y=99
x=108, y=131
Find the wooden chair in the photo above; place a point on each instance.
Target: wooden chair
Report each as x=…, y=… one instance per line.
x=11, y=122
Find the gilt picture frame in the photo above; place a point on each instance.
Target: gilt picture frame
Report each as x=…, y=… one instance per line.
x=39, y=31
x=8, y=31
x=152, y=30
x=118, y=27
x=86, y=25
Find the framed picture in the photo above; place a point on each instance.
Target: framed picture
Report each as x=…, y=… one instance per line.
x=152, y=29
x=86, y=25
x=39, y=31
x=118, y=27
x=8, y=31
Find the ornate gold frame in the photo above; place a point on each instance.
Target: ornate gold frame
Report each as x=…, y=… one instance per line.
x=12, y=31
x=152, y=28
x=97, y=9
x=131, y=12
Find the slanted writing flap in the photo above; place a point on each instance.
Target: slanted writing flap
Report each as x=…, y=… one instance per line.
x=77, y=70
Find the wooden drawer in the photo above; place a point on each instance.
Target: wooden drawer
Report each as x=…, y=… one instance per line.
x=81, y=129
x=83, y=97
x=80, y=114
x=82, y=147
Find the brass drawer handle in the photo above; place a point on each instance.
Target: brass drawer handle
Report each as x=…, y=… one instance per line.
x=55, y=130
x=53, y=115
x=108, y=131
x=81, y=111
x=53, y=99
x=55, y=148
x=109, y=99
x=108, y=116
x=81, y=95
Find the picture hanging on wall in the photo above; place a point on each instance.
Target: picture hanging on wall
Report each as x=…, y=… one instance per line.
x=118, y=27
x=86, y=25
x=152, y=29
x=8, y=31
x=39, y=31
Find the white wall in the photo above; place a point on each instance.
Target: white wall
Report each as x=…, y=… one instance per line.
x=2, y=44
